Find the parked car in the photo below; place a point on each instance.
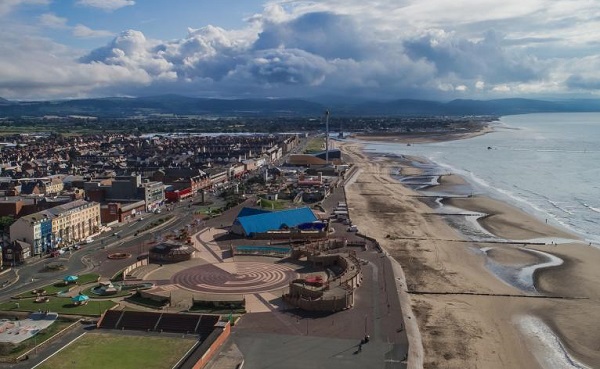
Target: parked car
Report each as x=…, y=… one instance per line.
x=353, y=228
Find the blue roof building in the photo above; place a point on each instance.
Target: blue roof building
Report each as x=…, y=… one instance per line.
x=248, y=224
x=251, y=211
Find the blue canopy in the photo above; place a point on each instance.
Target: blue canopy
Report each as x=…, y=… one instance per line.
x=71, y=278
x=276, y=220
x=80, y=298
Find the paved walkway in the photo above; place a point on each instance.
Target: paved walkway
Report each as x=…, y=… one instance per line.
x=204, y=242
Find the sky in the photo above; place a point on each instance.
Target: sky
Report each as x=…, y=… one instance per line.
x=379, y=49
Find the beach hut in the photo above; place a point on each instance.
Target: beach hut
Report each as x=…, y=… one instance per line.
x=80, y=299
x=70, y=278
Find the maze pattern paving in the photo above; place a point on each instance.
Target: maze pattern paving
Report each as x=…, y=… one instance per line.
x=240, y=277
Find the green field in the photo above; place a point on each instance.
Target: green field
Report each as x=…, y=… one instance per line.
x=101, y=350
x=316, y=144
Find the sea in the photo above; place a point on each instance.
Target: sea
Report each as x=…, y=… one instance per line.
x=545, y=164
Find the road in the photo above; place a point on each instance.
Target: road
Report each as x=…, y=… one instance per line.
x=93, y=256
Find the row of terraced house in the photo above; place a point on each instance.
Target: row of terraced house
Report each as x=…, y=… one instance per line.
x=61, y=209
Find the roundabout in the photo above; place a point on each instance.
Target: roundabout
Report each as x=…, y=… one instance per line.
x=235, y=277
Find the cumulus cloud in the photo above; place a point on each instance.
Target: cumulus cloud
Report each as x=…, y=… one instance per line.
x=389, y=49
x=41, y=68
x=466, y=59
x=501, y=88
x=106, y=4
x=312, y=53
x=326, y=34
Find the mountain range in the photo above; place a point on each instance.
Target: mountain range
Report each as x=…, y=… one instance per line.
x=119, y=107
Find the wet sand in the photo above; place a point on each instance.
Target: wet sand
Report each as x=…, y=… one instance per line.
x=506, y=221
x=482, y=330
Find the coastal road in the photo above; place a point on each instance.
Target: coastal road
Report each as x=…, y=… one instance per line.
x=92, y=257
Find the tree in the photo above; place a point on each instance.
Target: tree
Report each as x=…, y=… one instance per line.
x=6, y=221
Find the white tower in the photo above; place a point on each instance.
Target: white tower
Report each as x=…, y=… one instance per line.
x=327, y=136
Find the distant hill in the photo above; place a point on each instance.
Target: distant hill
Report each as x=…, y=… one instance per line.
x=474, y=107
x=169, y=104
x=115, y=107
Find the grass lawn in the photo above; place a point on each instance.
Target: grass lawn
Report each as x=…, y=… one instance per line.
x=88, y=278
x=272, y=204
x=60, y=286
x=61, y=305
x=100, y=350
x=51, y=289
x=134, y=299
x=316, y=144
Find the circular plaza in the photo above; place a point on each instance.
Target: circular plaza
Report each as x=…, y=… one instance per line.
x=236, y=277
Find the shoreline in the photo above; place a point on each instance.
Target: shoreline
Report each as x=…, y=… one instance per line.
x=505, y=222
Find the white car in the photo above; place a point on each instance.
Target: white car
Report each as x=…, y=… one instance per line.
x=353, y=228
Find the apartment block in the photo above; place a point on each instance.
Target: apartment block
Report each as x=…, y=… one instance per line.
x=58, y=226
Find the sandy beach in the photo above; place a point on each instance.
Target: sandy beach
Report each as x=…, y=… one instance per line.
x=469, y=313
x=418, y=137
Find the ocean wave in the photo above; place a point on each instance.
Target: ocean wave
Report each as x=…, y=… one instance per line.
x=557, y=206
x=596, y=210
